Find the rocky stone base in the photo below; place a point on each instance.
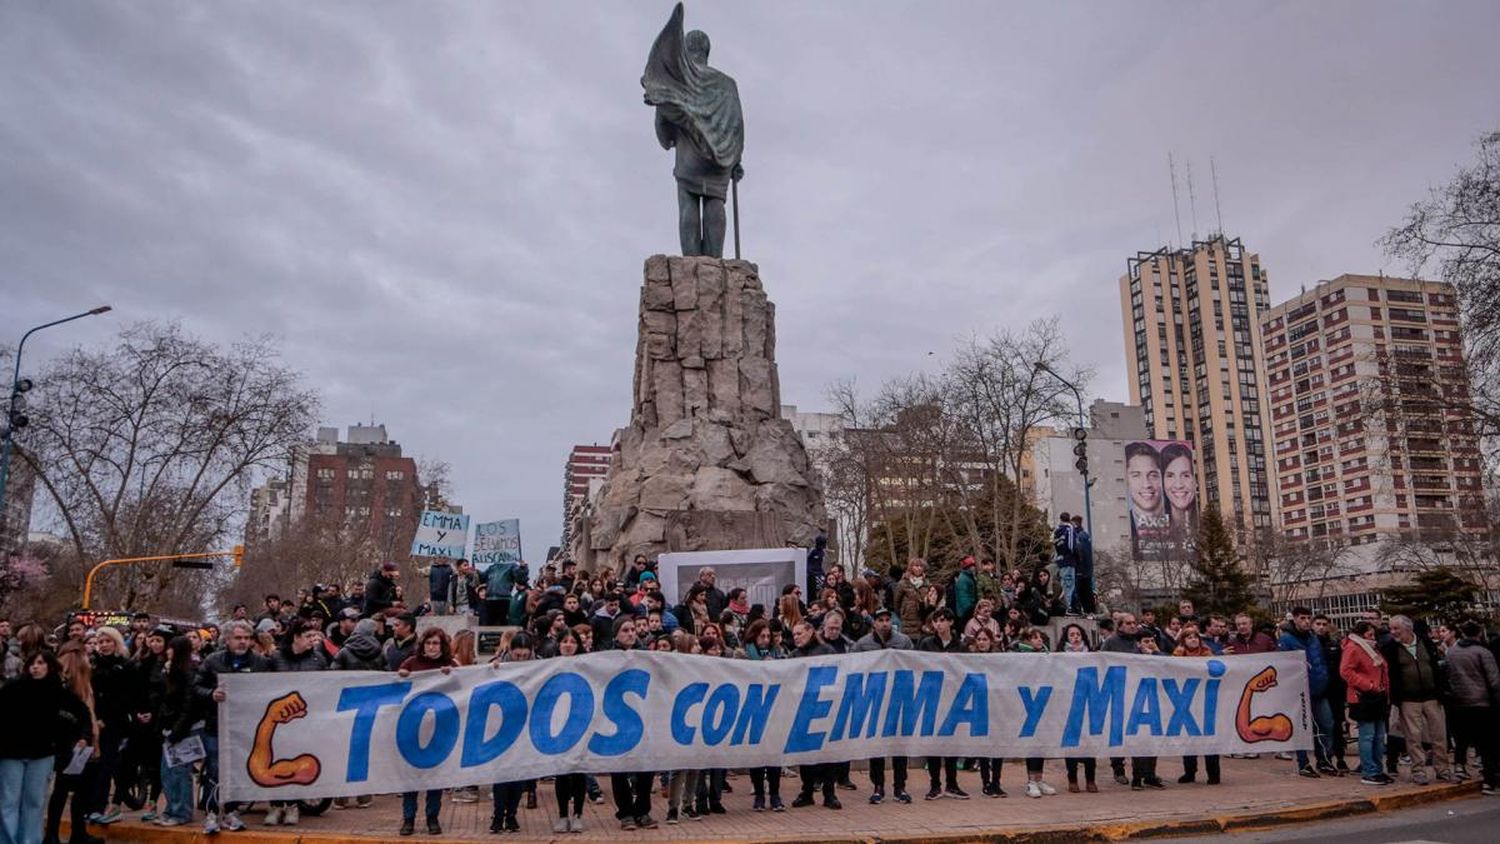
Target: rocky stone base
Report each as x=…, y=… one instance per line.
x=706, y=462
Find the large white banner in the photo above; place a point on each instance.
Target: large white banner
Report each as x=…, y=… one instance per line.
x=343, y=733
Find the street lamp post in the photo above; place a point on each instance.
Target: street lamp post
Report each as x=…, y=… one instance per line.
x=1088, y=505
x=16, y=389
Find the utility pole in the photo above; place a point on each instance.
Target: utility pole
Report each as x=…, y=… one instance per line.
x=14, y=418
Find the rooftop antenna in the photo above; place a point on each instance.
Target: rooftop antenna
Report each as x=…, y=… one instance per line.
x=1176, y=210
x=1192, y=198
x=1218, y=211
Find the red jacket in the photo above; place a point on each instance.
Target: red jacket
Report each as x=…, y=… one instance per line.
x=1361, y=673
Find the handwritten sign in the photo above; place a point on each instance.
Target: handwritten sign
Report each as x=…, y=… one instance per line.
x=441, y=535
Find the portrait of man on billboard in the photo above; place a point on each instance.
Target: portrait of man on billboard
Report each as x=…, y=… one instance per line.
x=1163, y=499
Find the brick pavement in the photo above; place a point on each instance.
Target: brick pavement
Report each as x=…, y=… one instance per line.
x=1250, y=786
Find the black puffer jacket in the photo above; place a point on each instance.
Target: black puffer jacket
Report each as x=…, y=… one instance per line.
x=362, y=652
x=42, y=717
x=117, y=690
x=284, y=660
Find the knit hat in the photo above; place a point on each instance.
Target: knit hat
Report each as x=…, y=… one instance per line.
x=968, y=562
x=390, y=566
x=365, y=626
x=266, y=625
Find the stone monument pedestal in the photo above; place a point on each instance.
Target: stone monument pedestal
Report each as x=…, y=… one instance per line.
x=707, y=462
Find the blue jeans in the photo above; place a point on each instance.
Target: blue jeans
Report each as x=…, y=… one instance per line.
x=1322, y=715
x=432, y=806
x=1068, y=575
x=1372, y=748
x=177, y=785
x=23, y=797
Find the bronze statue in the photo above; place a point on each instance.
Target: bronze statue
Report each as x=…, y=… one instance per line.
x=698, y=113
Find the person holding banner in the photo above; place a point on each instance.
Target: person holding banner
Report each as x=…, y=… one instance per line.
x=434, y=653
x=633, y=789
x=984, y=641
x=571, y=788
x=942, y=769
x=507, y=795
x=808, y=646
x=1191, y=644
x=1076, y=641
x=764, y=781
x=882, y=636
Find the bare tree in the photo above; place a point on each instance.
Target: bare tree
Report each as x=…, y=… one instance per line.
x=148, y=448
x=1003, y=399
x=1458, y=227
x=310, y=552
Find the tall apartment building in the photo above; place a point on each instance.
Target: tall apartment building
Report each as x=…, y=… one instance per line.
x=1365, y=445
x=362, y=480
x=582, y=474
x=1192, y=322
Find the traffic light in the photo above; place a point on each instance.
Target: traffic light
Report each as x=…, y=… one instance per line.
x=192, y=564
x=239, y=555
x=16, y=417
x=1081, y=450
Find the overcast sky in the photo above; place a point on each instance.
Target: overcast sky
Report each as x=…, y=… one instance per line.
x=442, y=209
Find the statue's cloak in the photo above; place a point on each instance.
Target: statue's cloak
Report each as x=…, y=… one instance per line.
x=700, y=102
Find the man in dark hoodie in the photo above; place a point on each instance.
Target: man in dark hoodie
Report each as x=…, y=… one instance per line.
x=361, y=651
x=603, y=621
x=1297, y=635
x=380, y=589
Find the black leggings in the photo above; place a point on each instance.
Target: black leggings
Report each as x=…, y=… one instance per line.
x=570, y=791
x=766, y=781
x=80, y=786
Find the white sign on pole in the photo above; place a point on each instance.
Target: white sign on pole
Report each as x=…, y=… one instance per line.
x=761, y=571
x=441, y=535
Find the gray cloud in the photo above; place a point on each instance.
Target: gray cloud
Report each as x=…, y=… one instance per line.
x=442, y=208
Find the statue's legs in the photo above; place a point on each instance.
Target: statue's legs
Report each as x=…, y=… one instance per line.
x=713, y=227
x=690, y=222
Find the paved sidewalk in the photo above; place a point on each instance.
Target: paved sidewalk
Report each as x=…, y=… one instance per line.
x=1251, y=788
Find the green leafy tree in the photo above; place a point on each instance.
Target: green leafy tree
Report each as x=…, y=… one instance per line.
x=1218, y=583
x=1438, y=594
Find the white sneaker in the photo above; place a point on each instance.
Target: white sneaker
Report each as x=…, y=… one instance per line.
x=232, y=822
x=1033, y=789
x=575, y=824
x=292, y=815
x=211, y=824
x=273, y=816
x=1046, y=789
x=562, y=825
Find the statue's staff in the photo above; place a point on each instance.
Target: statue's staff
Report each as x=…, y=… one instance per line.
x=734, y=193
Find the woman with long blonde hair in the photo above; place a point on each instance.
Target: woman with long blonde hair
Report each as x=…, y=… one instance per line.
x=77, y=675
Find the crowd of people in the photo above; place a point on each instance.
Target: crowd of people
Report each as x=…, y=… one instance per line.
x=105, y=701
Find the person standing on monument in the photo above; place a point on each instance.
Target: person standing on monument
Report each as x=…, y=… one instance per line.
x=698, y=115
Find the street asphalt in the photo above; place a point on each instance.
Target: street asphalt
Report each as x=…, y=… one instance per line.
x=1474, y=820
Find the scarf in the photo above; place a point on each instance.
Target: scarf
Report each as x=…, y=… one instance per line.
x=1369, y=649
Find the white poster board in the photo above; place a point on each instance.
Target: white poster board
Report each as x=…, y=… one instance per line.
x=762, y=572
